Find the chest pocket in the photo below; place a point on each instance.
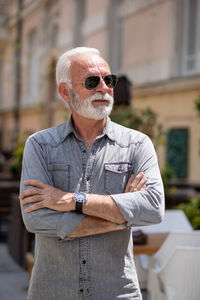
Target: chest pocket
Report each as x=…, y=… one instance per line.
x=116, y=176
x=60, y=174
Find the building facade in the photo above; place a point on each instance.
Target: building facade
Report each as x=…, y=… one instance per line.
x=155, y=43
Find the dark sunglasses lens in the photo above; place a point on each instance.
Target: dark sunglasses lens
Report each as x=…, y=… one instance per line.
x=91, y=82
x=110, y=80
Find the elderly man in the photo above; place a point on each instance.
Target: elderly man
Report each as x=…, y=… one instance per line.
x=75, y=192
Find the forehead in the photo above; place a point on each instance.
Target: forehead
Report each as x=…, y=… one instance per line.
x=88, y=64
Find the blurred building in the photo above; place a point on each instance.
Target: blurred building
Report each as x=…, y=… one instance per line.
x=155, y=43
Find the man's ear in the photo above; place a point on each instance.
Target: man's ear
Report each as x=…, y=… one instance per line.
x=63, y=91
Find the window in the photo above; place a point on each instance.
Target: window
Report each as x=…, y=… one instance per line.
x=78, y=22
x=191, y=32
x=177, y=151
x=115, y=35
x=32, y=67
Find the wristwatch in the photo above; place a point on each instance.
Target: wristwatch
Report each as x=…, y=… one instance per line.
x=80, y=199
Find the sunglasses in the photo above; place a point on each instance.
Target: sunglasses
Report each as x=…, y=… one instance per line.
x=91, y=82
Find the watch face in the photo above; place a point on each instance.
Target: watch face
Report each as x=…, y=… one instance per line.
x=80, y=197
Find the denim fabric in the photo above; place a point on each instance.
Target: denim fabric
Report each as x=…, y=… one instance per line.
x=99, y=267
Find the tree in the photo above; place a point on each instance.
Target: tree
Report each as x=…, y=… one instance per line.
x=144, y=120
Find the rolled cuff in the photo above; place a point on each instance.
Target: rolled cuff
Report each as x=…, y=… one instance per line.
x=68, y=222
x=140, y=208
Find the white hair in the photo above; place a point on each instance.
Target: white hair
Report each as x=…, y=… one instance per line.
x=63, y=63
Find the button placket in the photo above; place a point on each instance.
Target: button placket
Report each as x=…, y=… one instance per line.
x=88, y=162
x=88, y=172
x=84, y=242
x=84, y=266
x=84, y=158
x=89, y=167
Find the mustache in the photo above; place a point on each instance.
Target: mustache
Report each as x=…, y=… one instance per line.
x=98, y=96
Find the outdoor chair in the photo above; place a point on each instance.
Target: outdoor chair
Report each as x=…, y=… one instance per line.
x=174, y=220
x=178, y=275
x=174, y=239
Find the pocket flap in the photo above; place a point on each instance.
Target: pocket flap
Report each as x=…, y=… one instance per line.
x=118, y=167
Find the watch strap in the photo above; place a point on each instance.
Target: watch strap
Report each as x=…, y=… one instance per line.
x=80, y=199
x=78, y=207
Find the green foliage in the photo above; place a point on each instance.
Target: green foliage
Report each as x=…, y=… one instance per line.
x=197, y=105
x=192, y=211
x=167, y=175
x=10, y=27
x=144, y=120
x=16, y=165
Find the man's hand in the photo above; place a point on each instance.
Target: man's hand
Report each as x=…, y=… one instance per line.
x=44, y=195
x=138, y=184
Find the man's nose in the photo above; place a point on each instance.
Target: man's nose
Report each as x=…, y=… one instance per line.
x=102, y=87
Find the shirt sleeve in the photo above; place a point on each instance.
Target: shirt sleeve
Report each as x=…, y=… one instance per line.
x=43, y=221
x=147, y=206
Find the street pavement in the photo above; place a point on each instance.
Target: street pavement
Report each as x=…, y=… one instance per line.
x=13, y=279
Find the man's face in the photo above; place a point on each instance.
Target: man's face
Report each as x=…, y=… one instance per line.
x=98, y=102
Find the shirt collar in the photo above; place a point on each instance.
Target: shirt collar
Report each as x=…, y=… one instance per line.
x=108, y=129
x=69, y=128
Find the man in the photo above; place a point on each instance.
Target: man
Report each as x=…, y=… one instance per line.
x=72, y=190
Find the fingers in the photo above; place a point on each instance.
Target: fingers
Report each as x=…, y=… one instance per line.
x=35, y=196
x=129, y=183
x=31, y=200
x=37, y=183
x=144, y=187
x=141, y=185
x=138, y=184
x=28, y=193
x=37, y=200
x=138, y=179
x=34, y=207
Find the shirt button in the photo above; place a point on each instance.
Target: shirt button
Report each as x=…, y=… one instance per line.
x=81, y=290
x=84, y=261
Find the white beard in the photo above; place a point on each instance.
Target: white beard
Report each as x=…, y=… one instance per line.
x=87, y=110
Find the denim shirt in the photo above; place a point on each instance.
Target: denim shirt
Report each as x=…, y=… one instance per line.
x=98, y=267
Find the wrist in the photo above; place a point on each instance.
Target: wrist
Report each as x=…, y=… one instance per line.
x=79, y=199
x=68, y=197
